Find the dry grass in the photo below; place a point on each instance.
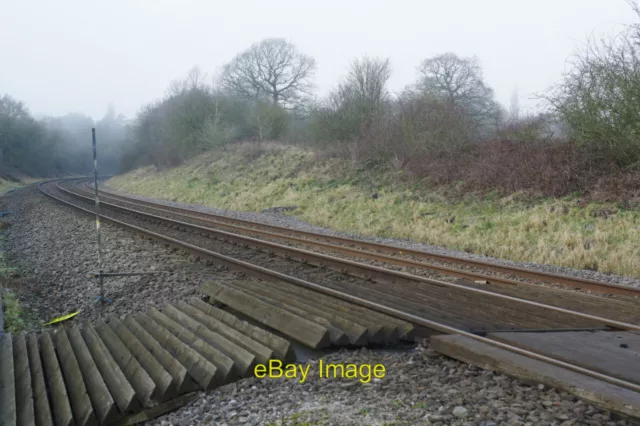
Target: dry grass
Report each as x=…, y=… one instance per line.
x=564, y=232
x=6, y=185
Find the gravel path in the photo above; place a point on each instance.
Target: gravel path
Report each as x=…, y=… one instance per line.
x=421, y=387
x=278, y=219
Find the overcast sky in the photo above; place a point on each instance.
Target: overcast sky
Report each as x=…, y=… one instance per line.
x=78, y=55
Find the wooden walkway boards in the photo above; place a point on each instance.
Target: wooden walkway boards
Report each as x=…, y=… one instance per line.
x=613, y=353
x=101, y=373
x=314, y=319
x=616, y=354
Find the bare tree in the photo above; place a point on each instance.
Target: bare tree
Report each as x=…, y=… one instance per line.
x=195, y=80
x=598, y=98
x=458, y=81
x=271, y=69
x=356, y=103
x=366, y=82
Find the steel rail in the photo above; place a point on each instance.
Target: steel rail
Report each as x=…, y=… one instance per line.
x=340, y=249
x=399, y=261
x=260, y=272
x=370, y=271
x=547, y=277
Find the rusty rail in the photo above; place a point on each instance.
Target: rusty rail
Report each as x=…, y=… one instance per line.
x=359, y=269
x=306, y=237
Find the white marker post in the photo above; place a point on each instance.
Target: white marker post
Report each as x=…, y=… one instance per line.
x=95, y=172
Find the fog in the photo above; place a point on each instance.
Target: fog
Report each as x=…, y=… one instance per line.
x=79, y=56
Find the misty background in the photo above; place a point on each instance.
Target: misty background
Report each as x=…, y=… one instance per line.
x=407, y=85
x=79, y=56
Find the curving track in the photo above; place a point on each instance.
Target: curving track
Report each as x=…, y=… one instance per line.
x=449, y=265
x=546, y=309
x=386, y=279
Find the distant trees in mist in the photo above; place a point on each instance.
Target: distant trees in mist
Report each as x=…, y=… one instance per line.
x=54, y=146
x=446, y=125
x=265, y=92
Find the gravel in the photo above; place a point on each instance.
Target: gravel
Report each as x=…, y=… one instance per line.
x=421, y=387
x=275, y=217
x=54, y=248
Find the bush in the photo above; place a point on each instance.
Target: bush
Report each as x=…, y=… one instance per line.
x=193, y=118
x=598, y=98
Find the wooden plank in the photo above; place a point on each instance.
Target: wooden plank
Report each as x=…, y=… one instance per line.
x=24, y=393
x=590, y=304
x=294, y=326
x=605, y=395
x=281, y=347
x=260, y=351
x=599, y=351
x=40, y=398
x=136, y=375
x=7, y=382
x=118, y=385
x=62, y=413
x=83, y=414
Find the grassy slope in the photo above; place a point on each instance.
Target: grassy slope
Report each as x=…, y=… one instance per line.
x=12, y=312
x=331, y=193
x=6, y=185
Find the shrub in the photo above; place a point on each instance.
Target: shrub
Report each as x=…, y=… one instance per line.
x=598, y=97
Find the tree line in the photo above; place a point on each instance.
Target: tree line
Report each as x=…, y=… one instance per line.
x=266, y=92
x=55, y=146
x=446, y=126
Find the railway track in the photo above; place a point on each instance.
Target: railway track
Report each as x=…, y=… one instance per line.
x=385, y=253
x=515, y=292
x=371, y=274
x=478, y=313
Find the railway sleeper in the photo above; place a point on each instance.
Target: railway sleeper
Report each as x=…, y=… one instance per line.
x=103, y=373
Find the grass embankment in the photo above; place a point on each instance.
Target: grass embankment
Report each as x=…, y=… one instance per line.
x=6, y=185
x=14, y=318
x=337, y=194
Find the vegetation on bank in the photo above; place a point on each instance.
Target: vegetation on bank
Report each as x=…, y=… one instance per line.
x=332, y=192
x=445, y=128
x=7, y=185
x=16, y=318
x=13, y=315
